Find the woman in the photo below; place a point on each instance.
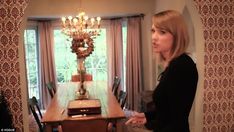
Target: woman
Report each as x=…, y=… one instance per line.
x=174, y=95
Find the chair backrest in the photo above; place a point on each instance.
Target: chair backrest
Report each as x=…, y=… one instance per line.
x=51, y=88
x=115, y=86
x=34, y=107
x=87, y=77
x=89, y=125
x=122, y=98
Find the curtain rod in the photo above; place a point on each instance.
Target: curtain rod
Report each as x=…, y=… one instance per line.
x=130, y=16
x=103, y=18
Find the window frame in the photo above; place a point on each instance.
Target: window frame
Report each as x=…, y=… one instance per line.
x=32, y=25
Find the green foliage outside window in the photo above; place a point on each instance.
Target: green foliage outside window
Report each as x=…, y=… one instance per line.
x=66, y=63
x=31, y=55
x=65, y=60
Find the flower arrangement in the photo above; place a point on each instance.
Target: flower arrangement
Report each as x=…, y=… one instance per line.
x=82, y=47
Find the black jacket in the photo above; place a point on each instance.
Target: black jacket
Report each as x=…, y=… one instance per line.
x=173, y=97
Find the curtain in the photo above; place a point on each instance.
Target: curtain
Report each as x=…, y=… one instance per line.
x=46, y=60
x=115, y=48
x=133, y=63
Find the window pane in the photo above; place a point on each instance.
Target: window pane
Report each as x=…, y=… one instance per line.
x=30, y=41
x=124, y=33
x=65, y=60
x=96, y=63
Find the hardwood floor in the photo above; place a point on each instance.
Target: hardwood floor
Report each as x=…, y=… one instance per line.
x=33, y=127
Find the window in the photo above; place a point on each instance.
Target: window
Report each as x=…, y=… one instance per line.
x=31, y=57
x=65, y=60
x=96, y=63
x=124, y=34
x=66, y=63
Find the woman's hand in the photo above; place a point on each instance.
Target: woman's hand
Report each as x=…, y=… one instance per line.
x=136, y=119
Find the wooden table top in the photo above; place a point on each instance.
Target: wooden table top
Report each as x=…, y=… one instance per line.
x=57, y=110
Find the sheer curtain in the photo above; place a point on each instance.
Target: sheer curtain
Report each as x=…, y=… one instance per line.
x=133, y=63
x=115, y=50
x=46, y=62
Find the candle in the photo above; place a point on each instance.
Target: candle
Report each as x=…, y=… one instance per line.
x=75, y=21
x=92, y=21
x=63, y=20
x=98, y=20
x=70, y=19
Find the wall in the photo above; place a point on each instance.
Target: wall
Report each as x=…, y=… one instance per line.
x=218, y=46
x=11, y=13
x=217, y=17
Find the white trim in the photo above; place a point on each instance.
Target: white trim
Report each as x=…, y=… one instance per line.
x=199, y=46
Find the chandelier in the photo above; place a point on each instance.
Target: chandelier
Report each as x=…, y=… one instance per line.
x=82, y=30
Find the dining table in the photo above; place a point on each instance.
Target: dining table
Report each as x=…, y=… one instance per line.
x=57, y=111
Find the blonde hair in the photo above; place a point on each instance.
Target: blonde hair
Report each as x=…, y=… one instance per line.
x=173, y=22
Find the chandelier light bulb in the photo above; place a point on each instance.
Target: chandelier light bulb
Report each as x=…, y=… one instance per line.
x=98, y=20
x=70, y=18
x=75, y=21
x=86, y=18
x=63, y=20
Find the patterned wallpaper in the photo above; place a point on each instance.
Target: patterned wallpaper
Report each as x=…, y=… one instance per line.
x=218, y=21
x=11, y=13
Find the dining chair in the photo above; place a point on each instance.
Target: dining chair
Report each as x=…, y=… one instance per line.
x=115, y=86
x=37, y=114
x=51, y=88
x=76, y=78
x=88, y=125
x=88, y=77
x=35, y=109
x=122, y=98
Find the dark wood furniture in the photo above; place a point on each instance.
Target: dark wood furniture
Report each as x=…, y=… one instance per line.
x=35, y=109
x=87, y=125
x=87, y=77
x=122, y=98
x=115, y=86
x=51, y=88
x=56, y=112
